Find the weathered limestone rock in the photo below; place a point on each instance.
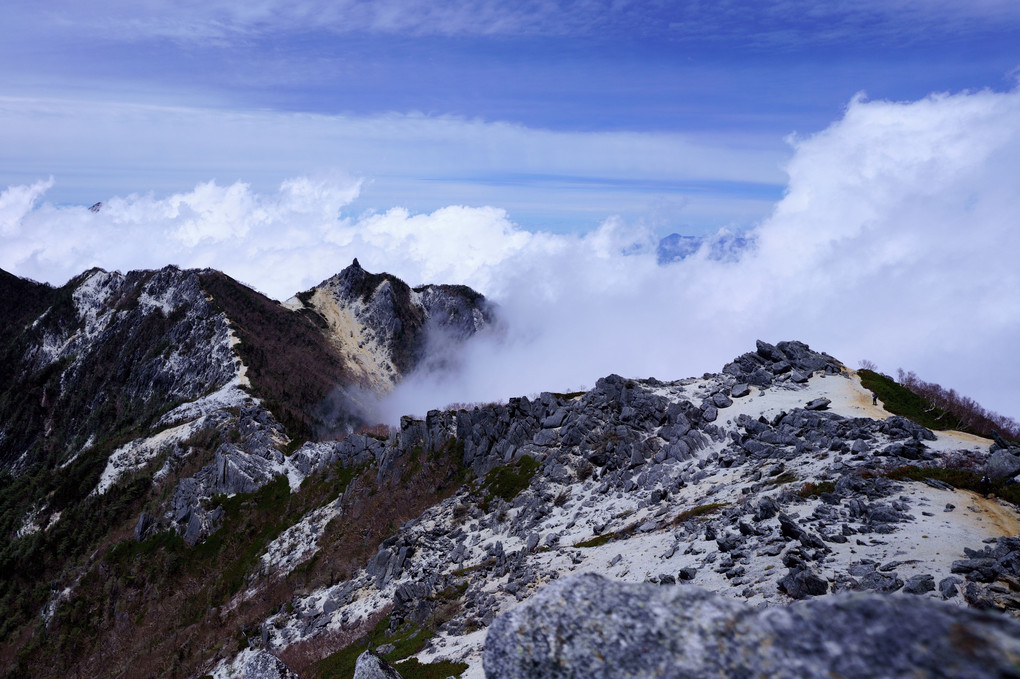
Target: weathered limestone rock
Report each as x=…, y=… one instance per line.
x=586, y=626
x=265, y=665
x=1003, y=464
x=371, y=666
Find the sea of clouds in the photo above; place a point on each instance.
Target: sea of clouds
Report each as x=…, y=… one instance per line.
x=897, y=241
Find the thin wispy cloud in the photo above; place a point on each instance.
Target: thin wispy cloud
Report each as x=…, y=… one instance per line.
x=774, y=22
x=894, y=242
x=227, y=22
x=798, y=24
x=419, y=162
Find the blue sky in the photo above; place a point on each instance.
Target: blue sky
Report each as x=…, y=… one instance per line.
x=538, y=151
x=737, y=76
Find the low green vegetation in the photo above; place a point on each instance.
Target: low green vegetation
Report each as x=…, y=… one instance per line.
x=406, y=641
x=126, y=576
x=630, y=529
x=812, y=488
x=27, y=564
x=965, y=479
x=606, y=538
x=412, y=669
x=899, y=400
x=507, y=481
x=782, y=479
x=699, y=511
x=231, y=554
x=340, y=665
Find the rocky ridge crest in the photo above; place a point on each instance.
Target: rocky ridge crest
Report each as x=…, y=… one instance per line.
x=758, y=483
x=767, y=483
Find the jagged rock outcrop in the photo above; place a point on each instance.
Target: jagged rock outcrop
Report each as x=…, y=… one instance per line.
x=792, y=361
x=587, y=626
x=385, y=329
x=713, y=484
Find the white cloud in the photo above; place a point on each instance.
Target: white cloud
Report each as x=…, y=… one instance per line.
x=419, y=162
x=896, y=242
x=271, y=240
x=18, y=201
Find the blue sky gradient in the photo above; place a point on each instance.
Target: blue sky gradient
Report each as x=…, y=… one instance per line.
x=747, y=72
x=539, y=151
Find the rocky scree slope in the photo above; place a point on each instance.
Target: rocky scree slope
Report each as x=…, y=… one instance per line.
x=208, y=536
x=773, y=481
x=143, y=396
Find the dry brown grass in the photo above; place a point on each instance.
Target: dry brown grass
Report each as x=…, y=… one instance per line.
x=304, y=655
x=142, y=624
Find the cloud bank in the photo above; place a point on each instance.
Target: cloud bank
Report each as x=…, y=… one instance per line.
x=896, y=241
x=416, y=161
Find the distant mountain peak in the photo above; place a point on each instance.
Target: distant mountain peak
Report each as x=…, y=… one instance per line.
x=386, y=329
x=721, y=246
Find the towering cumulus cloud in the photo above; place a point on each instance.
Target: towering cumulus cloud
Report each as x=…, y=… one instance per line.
x=896, y=241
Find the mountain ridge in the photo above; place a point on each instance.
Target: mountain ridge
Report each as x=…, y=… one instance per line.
x=220, y=529
x=146, y=394
x=386, y=328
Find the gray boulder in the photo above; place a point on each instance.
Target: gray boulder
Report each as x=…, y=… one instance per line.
x=920, y=584
x=948, y=587
x=265, y=665
x=1002, y=464
x=803, y=582
x=587, y=626
x=371, y=666
x=144, y=526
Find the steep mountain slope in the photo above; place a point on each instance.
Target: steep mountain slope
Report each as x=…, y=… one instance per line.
x=780, y=491
x=175, y=502
x=130, y=401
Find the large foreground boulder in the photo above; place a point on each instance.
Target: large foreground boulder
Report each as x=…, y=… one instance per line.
x=587, y=626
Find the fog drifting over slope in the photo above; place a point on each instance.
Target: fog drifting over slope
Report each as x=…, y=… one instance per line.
x=897, y=241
